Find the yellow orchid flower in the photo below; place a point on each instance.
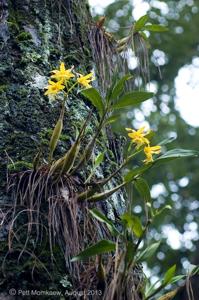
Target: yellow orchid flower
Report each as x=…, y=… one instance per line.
x=149, y=151
x=85, y=80
x=138, y=137
x=62, y=73
x=54, y=87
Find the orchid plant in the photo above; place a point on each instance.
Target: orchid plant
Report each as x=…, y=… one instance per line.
x=125, y=242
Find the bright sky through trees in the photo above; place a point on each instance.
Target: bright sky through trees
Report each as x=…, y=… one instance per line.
x=187, y=81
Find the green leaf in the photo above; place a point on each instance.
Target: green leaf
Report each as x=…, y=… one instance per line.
x=155, y=28
x=111, y=87
x=55, y=135
x=132, y=98
x=93, y=95
x=99, y=159
x=174, y=154
x=102, y=218
x=20, y=165
x=158, y=212
x=133, y=223
x=150, y=288
x=130, y=252
x=177, y=278
x=194, y=270
x=139, y=24
x=167, y=141
x=101, y=247
x=112, y=119
x=119, y=86
x=142, y=187
x=169, y=275
x=135, y=172
x=148, y=252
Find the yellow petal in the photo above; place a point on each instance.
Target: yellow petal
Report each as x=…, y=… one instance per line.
x=90, y=75
x=62, y=67
x=141, y=130
x=51, y=82
x=131, y=135
x=156, y=148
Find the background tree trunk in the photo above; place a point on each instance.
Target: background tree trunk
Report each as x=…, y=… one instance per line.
x=35, y=36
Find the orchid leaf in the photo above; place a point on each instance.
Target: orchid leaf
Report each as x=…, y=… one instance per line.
x=132, y=99
x=101, y=247
x=119, y=86
x=139, y=24
x=93, y=95
x=155, y=28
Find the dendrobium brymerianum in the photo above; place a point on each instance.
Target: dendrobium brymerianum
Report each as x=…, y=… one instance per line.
x=62, y=73
x=149, y=151
x=85, y=80
x=62, y=78
x=139, y=138
x=54, y=87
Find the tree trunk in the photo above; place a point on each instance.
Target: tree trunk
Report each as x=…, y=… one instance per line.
x=35, y=36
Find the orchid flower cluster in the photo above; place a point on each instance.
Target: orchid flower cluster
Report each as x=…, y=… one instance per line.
x=139, y=138
x=61, y=77
x=59, y=81
x=62, y=81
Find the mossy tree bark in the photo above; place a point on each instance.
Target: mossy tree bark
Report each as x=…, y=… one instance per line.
x=35, y=36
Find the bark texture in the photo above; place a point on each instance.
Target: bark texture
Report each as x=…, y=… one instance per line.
x=35, y=36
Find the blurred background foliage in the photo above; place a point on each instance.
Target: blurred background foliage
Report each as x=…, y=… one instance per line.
x=176, y=183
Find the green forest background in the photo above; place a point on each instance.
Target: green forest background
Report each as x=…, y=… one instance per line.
x=175, y=184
